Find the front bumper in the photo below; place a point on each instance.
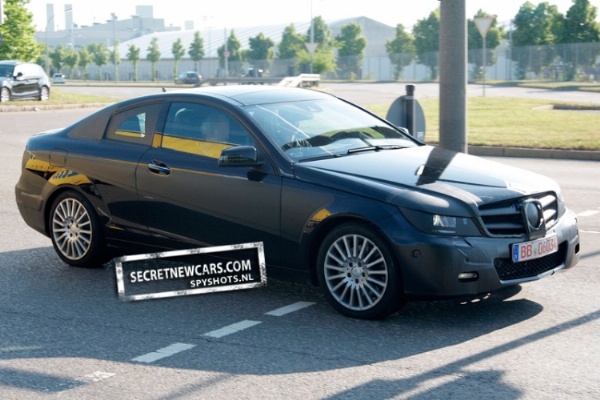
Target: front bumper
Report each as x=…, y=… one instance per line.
x=442, y=267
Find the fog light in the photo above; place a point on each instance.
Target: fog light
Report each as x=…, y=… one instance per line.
x=468, y=276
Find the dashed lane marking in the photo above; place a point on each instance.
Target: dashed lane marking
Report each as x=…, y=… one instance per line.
x=289, y=309
x=588, y=213
x=164, y=352
x=219, y=333
x=233, y=328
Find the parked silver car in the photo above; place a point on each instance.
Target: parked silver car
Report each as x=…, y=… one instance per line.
x=23, y=81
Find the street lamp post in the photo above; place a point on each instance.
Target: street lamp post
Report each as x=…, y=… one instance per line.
x=50, y=19
x=114, y=21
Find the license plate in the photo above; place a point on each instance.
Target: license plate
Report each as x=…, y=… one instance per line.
x=534, y=249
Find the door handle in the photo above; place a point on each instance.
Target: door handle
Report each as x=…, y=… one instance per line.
x=159, y=167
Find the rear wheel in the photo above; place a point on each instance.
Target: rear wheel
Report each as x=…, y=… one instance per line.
x=75, y=231
x=4, y=95
x=44, y=93
x=358, y=274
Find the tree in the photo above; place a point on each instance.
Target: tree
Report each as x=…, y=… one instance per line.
x=178, y=52
x=99, y=54
x=233, y=50
x=351, y=49
x=84, y=60
x=537, y=25
x=70, y=58
x=323, y=59
x=581, y=34
x=537, y=30
x=196, y=50
x=134, y=56
x=427, y=41
x=580, y=25
x=292, y=47
x=261, y=51
x=18, y=33
x=401, y=50
x=56, y=58
x=475, y=43
x=115, y=58
x=292, y=43
x=153, y=56
x=322, y=33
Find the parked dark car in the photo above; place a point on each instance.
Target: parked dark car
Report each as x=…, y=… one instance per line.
x=23, y=81
x=189, y=77
x=338, y=196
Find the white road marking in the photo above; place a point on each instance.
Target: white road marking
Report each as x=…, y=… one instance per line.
x=219, y=333
x=588, y=213
x=164, y=352
x=98, y=376
x=289, y=309
x=233, y=328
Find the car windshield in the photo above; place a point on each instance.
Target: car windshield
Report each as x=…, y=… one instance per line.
x=307, y=130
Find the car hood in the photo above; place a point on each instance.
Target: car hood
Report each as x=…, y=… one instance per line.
x=423, y=176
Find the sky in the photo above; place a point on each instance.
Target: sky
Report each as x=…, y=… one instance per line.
x=244, y=13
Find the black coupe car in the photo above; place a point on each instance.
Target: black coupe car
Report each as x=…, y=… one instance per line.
x=338, y=196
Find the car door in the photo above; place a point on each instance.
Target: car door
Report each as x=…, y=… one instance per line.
x=111, y=161
x=191, y=201
x=20, y=84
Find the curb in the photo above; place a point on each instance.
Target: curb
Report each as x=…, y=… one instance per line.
x=41, y=107
x=492, y=151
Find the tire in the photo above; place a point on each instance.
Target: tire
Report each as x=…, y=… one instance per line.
x=44, y=93
x=358, y=274
x=75, y=231
x=4, y=95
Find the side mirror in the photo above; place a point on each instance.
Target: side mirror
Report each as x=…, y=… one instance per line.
x=19, y=76
x=239, y=156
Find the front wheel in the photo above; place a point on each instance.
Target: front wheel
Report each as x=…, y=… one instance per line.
x=75, y=231
x=358, y=274
x=44, y=93
x=4, y=95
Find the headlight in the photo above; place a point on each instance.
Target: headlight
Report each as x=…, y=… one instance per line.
x=437, y=224
x=444, y=224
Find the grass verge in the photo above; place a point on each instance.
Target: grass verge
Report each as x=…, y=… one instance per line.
x=515, y=122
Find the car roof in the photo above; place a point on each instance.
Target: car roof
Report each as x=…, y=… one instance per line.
x=257, y=94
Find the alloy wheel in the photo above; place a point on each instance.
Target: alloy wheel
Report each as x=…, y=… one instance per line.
x=72, y=229
x=356, y=272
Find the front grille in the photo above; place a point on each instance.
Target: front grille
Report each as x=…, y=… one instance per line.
x=504, y=218
x=508, y=270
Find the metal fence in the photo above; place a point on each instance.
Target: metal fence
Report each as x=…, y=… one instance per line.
x=571, y=62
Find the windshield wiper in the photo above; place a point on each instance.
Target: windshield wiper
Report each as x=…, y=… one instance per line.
x=321, y=157
x=376, y=148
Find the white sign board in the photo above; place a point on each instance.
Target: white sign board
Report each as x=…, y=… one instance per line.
x=483, y=25
x=193, y=271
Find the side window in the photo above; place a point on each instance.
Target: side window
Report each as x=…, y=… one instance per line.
x=134, y=125
x=202, y=130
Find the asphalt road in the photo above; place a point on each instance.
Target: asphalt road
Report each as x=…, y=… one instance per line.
x=65, y=334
